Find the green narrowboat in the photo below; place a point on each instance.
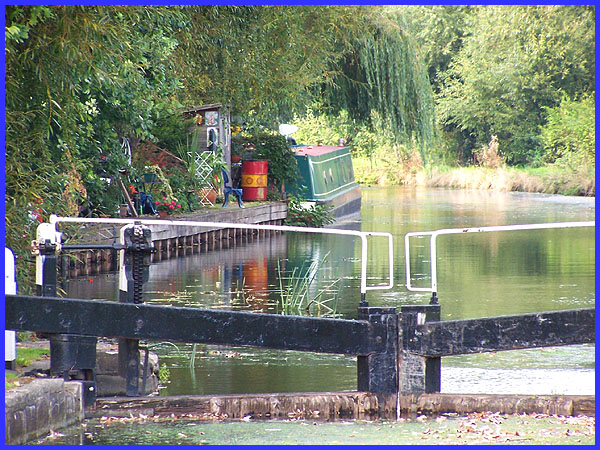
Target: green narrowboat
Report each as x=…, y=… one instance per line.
x=327, y=177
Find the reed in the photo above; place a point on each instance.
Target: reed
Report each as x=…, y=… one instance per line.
x=546, y=180
x=550, y=179
x=294, y=295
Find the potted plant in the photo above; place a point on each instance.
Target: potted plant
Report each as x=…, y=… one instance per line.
x=209, y=188
x=236, y=149
x=166, y=207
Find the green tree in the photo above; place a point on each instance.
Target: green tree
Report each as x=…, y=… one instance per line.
x=261, y=60
x=516, y=61
x=569, y=134
x=382, y=82
x=439, y=31
x=78, y=80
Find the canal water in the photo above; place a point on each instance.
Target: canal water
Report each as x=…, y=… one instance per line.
x=479, y=275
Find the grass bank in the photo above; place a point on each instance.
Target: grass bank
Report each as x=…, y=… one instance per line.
x=25, y=356
x=546, y=180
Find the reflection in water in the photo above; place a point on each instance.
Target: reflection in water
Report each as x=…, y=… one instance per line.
x=479, y=275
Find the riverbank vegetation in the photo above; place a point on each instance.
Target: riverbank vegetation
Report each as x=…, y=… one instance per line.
x=411, y=89
x=514, y=103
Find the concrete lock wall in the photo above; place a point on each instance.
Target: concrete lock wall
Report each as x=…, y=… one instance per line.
x=32, y=410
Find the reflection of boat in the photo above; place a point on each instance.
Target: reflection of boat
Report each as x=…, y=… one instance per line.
x=327, y=176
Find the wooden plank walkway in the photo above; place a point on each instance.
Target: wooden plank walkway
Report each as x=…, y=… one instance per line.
x=172, y=241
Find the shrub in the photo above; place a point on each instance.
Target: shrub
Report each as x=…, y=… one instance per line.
x=274, y=148
x=569, y=134
x=488, y=156
x=317, y=215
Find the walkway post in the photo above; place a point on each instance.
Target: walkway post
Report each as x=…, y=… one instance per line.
x=45, y=247
x=418, y=374
x=378, y=372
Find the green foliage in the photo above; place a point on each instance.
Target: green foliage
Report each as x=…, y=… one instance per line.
x=184, y=184
x=165, y=184
x=516, y=61
x=79, y=80
x=164, y=374
x=439, y=31
x=261, y=60
x=317, y=127
x=316, y=216
x=569, y=133
x=383, y=83
x=274, y=148
x=172, y=133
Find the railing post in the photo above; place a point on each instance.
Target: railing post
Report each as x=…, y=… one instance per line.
x=72, y=356
x=417, y=374
x=378, y=372
x=45, y=248
x=10, y=287
x=133, y=272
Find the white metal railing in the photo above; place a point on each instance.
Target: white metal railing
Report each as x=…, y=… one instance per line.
x=54, y=219
x=435, y=234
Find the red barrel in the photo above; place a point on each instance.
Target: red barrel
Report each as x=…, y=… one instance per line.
x=254, y=180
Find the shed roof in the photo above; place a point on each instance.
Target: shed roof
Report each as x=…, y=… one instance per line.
x=195, y=109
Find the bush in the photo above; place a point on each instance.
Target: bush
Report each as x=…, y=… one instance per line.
x=569, y=134
x=274, y=148
x=326, y=130
x=488, y=156
x=316, y=216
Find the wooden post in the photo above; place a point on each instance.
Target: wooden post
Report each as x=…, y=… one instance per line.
x=378, y=372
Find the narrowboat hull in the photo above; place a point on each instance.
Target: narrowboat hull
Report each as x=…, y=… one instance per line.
x=327, y=177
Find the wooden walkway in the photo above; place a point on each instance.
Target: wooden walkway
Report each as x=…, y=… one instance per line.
x=171, y=241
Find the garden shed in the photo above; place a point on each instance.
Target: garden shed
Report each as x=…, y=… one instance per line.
x=211, y=128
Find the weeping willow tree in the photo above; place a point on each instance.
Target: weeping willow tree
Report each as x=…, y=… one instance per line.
x=383, y=83
x=262, y=60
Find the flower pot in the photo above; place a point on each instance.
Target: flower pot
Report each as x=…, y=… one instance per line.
x=236, y=158
x=163, y=214
x=210, y=194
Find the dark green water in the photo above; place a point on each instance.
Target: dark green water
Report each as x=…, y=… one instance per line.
x=479, y=275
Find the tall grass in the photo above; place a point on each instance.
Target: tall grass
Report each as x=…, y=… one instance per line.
x=550, y=179
x=295, y=293
x=547, y=180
